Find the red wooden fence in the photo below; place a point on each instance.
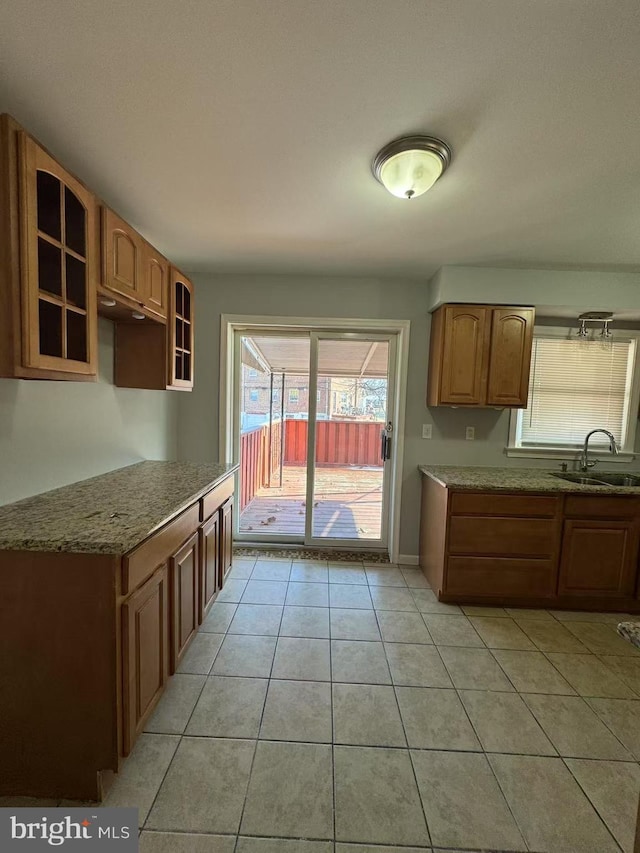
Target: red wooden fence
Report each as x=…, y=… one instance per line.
x=255, y=450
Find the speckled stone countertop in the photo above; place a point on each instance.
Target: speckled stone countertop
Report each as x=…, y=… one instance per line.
x=515, y=480
x=630, y=631
x=108, y=514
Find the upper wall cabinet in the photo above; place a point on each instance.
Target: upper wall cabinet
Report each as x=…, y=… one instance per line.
x=48, y=260
x=155, y=280
x=181, y=332
x=480, y=356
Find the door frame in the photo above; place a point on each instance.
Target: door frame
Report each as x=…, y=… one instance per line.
x=232, y=323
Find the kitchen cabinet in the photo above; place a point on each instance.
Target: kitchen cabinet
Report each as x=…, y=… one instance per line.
x=185, y=571
x=181, y=332
x=122, y=265
x=210, y=563
x=226, y=539
x=48, y=255
x=155, y=280
x=520, y=549
x=480, y=356
x=145, y=626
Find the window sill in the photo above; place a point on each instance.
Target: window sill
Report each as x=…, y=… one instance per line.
x=569, y=454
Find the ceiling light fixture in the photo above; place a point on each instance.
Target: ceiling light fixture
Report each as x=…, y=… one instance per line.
x=411, y=165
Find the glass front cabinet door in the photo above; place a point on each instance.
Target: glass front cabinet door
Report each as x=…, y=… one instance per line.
x=181, y=332
x=58, y=254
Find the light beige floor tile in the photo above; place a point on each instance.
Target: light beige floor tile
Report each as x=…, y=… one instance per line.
x=305, y=594
x=182, y=842
x=481, y=610
x=229, y=707
x=354, y=625
x=622, y=716
x=350, y=596
x=589, y=676
x=392, y=598
x=427, y=602
x=291, y=791
x=261, y=619
x=501, y=633
x=626, y=669
x=297, y=710
x=245, y=655
x=613, y=789
x=240, y=573
x=589, y=616
x=462, y=802
x=301, y=658
x=312, y=622
x=528, y=613
x=415, y=578
x=271, y=570
x=310, y=572
x=603, y=639
x=201, y=654
x=452, y=630
x=142, y=773
x=415, y=665
x=205, y=786
x=552, y=812
x=504, y=723
x=342, y=573
x=219, y=617
x=232, y=591
x=384, y=577
x=176, y=705
x=264, y=592
x=474, y=669
x=434, y=718
x=359, y=662
x=366, y=715
x=531, y=672
x=282, y=845
x=377, y=799
x=368, y=848
x=574, y=728
x=551, y=636
x=398, y=626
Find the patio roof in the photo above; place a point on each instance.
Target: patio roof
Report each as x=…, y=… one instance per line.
x=344, y=357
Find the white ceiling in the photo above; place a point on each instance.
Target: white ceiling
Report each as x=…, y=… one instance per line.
x=238, y=134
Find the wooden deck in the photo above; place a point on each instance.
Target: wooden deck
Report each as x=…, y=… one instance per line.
x=348, y=504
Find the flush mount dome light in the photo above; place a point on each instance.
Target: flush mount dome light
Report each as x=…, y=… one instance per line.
x=411, y=165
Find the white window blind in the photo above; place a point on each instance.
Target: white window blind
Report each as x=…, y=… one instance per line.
x=576, y=386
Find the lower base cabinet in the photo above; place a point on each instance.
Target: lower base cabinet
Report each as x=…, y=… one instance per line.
x=184, y=567
x=209, y=563
x=226, y=539
x=598, y=558
x=145, y=627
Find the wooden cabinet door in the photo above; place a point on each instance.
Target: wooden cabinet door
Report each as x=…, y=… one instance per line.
x=145, y=649
x=209, y=562
x=122, y=266
x=226, y=539
x=58, y=257
x=599, y=558
x=181, y=325
x=155, y=280
x=465, y=348
x=510, y=356
x=184, y=570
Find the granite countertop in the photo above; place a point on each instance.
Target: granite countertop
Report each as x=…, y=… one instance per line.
x=516, y=480
x=108, y=514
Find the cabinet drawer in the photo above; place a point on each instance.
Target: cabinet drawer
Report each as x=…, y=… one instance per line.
x=214, y=499
x=490, y=503
x=139, y=564
x=495, y=576
x=596, y=506
x=522, y=537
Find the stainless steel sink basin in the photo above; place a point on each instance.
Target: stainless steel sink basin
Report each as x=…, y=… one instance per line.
x=601, y=479
x=581, y=479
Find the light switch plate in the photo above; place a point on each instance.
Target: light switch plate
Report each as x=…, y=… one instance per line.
x=427, y=430
x=470, y=433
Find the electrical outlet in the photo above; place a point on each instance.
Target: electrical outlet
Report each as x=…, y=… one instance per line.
x=426, y=430
x=470, y=433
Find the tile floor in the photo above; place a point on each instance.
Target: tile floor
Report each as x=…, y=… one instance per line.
x=342, y=709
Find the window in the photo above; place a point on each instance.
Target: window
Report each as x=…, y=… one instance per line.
x=576, y=386
x=253, y=395
x=253, y=373
x=319, y=395
x=294, y=395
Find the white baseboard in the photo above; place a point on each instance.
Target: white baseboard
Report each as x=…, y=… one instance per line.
x=408, y=560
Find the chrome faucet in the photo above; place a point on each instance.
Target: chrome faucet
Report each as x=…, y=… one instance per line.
x=584, y=456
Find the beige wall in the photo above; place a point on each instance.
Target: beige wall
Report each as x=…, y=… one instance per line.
x=342, y=297
x=54, y=433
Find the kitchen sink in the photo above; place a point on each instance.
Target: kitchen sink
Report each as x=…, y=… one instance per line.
x=581, y=479
x=601, y=479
